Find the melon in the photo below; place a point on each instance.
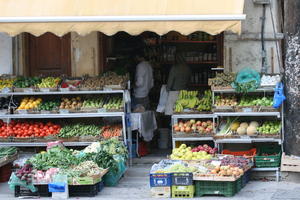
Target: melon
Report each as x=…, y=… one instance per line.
x=241, y=131
x=254, y=123
x=251, y=130
x=244, y=125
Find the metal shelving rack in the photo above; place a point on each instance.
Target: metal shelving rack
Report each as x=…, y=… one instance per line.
x=247, y=139
x=68, y=115
x=243, y=140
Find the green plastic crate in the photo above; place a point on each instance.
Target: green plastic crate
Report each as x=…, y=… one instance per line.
x=239, y=184
x=268, y=161
x=186, y=191
x=225, y=188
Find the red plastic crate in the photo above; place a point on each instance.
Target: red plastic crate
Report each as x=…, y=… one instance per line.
x=250, y=153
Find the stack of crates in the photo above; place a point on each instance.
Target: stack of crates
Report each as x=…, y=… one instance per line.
x=160, y=184
x=271, y=160
x=182, y=185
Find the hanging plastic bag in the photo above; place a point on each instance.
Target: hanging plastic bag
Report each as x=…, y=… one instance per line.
x=163, y=99
x=278, y=96
x=15, y=181
x=246, y=80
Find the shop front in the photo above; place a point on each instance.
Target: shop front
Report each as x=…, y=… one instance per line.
x=110, y=104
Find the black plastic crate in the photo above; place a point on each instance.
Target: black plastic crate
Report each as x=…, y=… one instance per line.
x=42, y=191
x=182, y=178
x=83, y=190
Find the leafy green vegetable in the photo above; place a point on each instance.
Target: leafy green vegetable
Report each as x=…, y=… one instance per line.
x=105, y=160
x=113, y=146
x=56, y=157
x=7, y=151
x=246, y=87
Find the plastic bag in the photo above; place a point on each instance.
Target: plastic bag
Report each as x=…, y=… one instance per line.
x=15, y=181
x=278, y=96
x=112, y=178
x=246, y=80
x=162, y=99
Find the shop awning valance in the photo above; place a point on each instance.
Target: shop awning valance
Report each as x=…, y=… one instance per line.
x=111, y=16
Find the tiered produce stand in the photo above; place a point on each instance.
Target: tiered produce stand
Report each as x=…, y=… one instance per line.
x=92, y=97
x=99, y=113
x=251, y=113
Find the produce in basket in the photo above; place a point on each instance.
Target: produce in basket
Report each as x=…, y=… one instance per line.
x=49, y=105
x=114, y=103
x=92, y=83
x=88, y=168
x=226, y=101
x=227, y=171
x=111, y=131
x=186, y=153
x=235, y=161
x=78, y=130
x=270, y=128
x=256, y=101
x=56, y=157
x=70, y=83
x=190, y=100
x=106, y=160
x=269, y=80
x=7, y=151
x=49, y=82
x=71, y=103
x=222, y=79
x=193, y=126
x=28, y=129
x=29, y=103
x=22, y=82
x=25, y=173
x=6, y=82
x=93, y=103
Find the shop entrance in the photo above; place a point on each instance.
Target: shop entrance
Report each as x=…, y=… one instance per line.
x=48, y=54
x=202, y=52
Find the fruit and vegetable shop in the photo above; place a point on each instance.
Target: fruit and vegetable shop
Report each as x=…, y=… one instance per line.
x=95, y=90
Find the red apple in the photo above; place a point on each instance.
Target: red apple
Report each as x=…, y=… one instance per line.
x=198, y=123
x=204, y=124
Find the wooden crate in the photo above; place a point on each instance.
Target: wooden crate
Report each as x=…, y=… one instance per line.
x=290, y=164
x=160, y=192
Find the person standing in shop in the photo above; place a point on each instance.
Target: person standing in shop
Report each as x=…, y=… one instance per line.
x=179, y=77
x=143, y=81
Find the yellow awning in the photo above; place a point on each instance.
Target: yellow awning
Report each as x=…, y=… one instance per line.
x=111, y=16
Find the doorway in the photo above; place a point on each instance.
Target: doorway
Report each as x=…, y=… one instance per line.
x=48, y=55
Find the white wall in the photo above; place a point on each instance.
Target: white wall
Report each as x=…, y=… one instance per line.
x=5, y=54
x=246, y=48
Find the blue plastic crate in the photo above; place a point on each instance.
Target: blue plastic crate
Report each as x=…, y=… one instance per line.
x=100, y=186
x=160, y=180
x=246, y=177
